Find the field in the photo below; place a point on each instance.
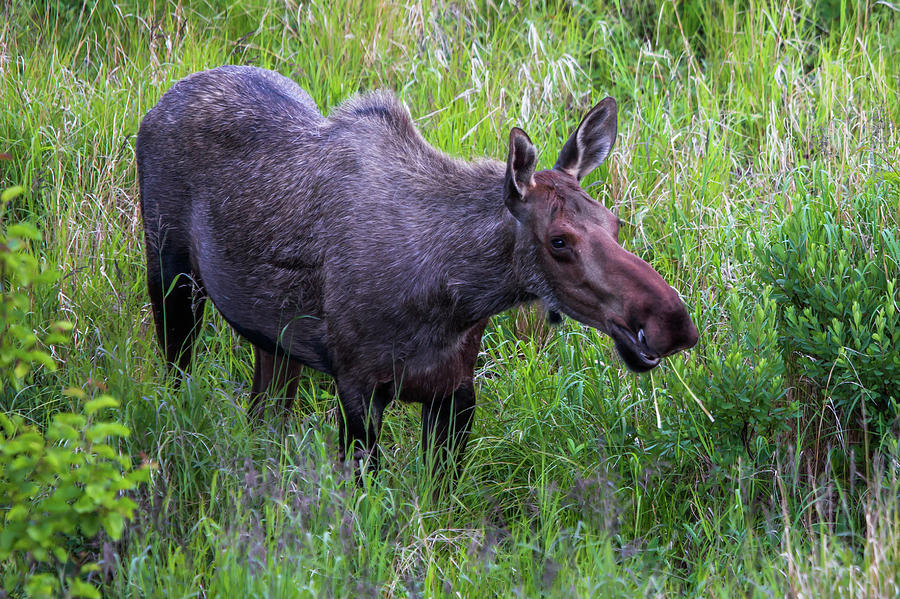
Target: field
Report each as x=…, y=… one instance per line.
x=756, y=168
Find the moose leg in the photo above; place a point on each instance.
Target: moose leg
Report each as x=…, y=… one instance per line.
x=360, y=423
x=177, y=299
x=275, y=374
x=446, y=422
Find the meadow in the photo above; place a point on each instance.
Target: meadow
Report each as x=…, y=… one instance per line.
x=756, y=168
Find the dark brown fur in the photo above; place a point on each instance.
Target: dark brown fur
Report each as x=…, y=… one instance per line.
x=350, y=245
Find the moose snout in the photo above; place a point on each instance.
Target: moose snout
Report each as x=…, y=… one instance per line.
x=691, y=335
x=655, y=322
x=668, y=332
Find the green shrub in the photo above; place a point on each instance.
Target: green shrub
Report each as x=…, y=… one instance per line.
x=20, y=346
x=740, y=381
x=63, y=482
x=835, y=281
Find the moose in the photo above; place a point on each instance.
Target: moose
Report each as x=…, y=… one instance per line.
x=350, y=245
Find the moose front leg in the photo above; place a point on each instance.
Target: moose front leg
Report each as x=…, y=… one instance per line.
x=446, y=422
x=360, y=422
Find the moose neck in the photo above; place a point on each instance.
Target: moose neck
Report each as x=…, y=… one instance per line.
x=494, y=269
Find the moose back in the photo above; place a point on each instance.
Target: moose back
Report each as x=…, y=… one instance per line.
x=350, y=245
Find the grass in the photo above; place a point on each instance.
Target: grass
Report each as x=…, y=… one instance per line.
x=581, y=479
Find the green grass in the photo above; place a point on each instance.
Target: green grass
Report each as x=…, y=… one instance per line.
x=732, y=115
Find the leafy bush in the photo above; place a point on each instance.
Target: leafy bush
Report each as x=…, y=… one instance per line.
x=740, y=380
x=19, y=273
x=54, y=485
x=66, y=481
x=836, y=286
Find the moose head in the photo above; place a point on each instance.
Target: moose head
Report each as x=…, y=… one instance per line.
x=590, y=277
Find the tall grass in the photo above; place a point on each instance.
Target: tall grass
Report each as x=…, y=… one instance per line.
x=581, y=479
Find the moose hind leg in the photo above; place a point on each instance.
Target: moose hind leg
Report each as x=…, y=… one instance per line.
x=177, y=298
x=275, y=374
x=446, y=422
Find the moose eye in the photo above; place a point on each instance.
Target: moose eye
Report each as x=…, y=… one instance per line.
x=558, y=243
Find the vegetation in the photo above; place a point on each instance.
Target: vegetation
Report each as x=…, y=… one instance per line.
x=756, y=167
x=66, y=481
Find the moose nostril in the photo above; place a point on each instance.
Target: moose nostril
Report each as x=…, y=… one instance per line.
x=641, y=338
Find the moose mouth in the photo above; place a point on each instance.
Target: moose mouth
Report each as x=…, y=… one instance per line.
x=633, y=349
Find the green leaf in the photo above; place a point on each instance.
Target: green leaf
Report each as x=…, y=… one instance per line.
x=101, y=430
x=74, y=420
x=80, y=588
x=11, y=193
x=114, y=523
x=39, y=533
x=84, y=505
x=9, y=427
x=42, y=585
x=23, y=231
x=7, y=536
x=104, y=401
x=40, y=554
x=89, y=526
x=18, y=513
x=74, y=392
x=105, y=451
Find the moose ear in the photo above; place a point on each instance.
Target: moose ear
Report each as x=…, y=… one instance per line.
x=519, y=171
x=591, y=142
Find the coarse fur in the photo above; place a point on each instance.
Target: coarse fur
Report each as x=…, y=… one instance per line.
x=351, y=245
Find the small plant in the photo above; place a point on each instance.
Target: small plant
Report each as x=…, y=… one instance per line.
x=20, y=346
x=67, y=480
x=741, y=383
x=837, y=287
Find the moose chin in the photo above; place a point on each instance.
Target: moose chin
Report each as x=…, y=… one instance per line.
x=350, y=245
